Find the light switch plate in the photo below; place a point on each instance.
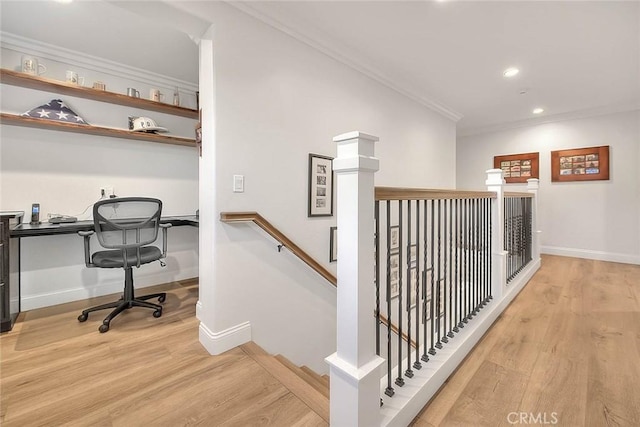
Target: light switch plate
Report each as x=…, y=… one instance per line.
x=238, y=183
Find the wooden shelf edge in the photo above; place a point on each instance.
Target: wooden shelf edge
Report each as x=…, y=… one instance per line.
x=35, y=82
x=12, y=119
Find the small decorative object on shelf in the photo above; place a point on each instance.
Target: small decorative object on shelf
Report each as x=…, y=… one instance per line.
x=30, y=65
x=55, y=110
x=144, y=124
x=74, y=79
x=156, y=95
x=176, y=97
x=99, y=86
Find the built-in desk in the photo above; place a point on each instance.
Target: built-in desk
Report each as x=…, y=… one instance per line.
x=46, y=229
x=23, y=230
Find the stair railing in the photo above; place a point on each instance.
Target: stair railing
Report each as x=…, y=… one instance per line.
x=440, y=273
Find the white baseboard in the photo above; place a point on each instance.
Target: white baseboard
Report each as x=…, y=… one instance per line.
x=31, y=302
x=409, y=400
x=219, y=342
x=589, y=254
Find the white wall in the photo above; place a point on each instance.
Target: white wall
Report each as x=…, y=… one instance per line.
x=276, y=101
x=64, y=172
x=588, y=219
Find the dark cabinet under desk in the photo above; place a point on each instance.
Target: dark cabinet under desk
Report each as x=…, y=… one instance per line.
x=9, y=270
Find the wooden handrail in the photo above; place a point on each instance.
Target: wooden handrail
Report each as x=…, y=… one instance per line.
x=392, y=193
x=256, y=218
x=230, y=217
x=517, y=194
x=394, y=328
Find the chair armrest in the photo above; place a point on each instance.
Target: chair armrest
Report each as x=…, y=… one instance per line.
x=87, y=250
x=164, y=238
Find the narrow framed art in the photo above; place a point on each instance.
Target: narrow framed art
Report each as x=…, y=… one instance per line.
x=580, y=164
x=518, y=168
x=320, y=185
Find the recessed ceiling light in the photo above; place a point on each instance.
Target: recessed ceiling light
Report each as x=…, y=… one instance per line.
x=63, y=1
x=538, y=110
x=510, y=72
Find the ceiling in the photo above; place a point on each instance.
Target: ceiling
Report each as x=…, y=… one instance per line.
x=108, y=30
x=575, y=57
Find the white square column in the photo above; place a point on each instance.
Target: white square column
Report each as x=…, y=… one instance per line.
x=354, y=368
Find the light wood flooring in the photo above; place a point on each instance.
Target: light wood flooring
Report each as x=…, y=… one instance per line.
x=143, y=372
x=567, y=349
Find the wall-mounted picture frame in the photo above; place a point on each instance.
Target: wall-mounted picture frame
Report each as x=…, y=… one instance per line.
x=394, y=240
x=518, y=168
x=333, y=244
x=413, y=255
x=320, y=185
x=580, y=164
x=414, y=286
x=394, y=274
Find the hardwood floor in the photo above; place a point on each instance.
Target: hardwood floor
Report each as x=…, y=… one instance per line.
x=565, y=352
x=143, y=372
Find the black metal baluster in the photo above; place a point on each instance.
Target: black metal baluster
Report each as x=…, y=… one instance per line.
x=417, y=364
x=425, y=320
x=409, y=372
x=456, y=279
x=477, y=255
x=506, y=235
x=439, y=285
x=467, y=255
x=463, y=264
x=400, y=380
x=490, y=246
x=445, y=283
x=530, y=228
x=451, y=300
x=432, y=350
x=389, y=390
x=487, y=223
x=472, y=304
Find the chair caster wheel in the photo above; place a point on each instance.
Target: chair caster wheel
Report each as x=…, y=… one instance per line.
x=83, y=317
x=157, y=313
x=162, y=298
x=103, y=328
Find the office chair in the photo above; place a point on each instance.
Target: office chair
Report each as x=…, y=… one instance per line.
x=126, y=227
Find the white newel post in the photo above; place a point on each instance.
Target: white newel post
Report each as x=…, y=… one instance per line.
x=354, y=367
x=495, y=183
x=533, y=184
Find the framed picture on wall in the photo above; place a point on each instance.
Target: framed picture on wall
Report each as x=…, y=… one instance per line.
x=320, y=185
x=394, y=241
x=518, y=168
x=394, y=274
x=580, y=164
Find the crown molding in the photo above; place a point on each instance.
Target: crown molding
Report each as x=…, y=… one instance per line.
x=342, y=55
x=535, y=121
x=55, y=53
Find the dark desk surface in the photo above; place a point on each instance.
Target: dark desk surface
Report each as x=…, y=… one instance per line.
x=47, y=229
